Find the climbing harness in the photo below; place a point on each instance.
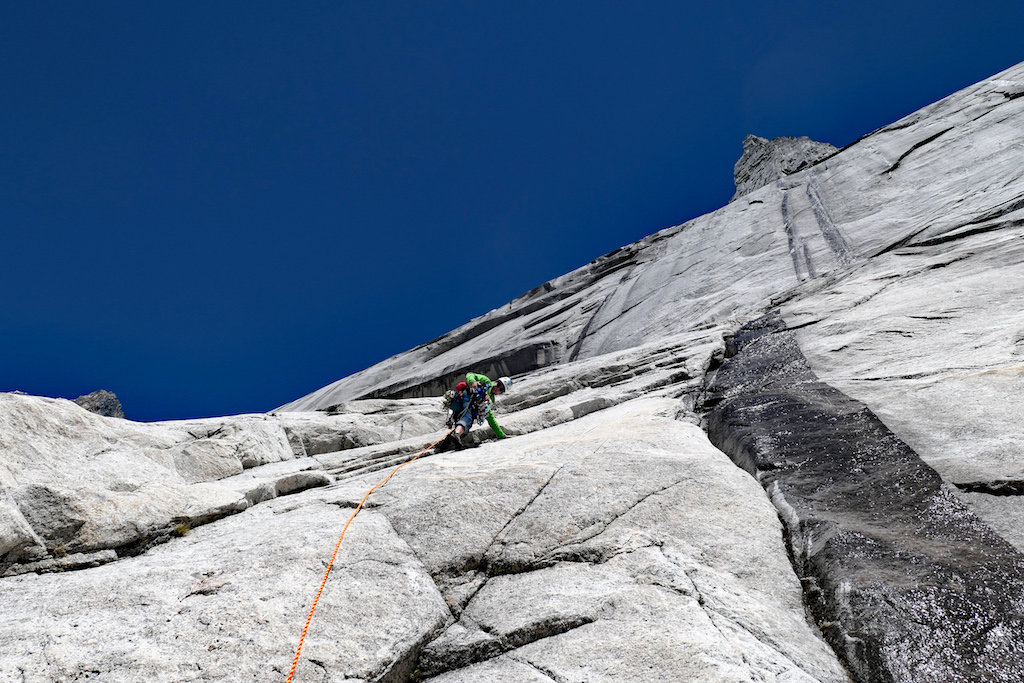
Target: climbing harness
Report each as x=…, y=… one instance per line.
x=302, y=639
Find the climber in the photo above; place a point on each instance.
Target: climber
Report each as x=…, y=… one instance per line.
x=472, y=400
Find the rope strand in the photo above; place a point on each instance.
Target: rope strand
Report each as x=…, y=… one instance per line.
x=337, y=545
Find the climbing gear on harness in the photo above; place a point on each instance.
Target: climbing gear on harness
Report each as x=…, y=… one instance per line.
x=302, y=639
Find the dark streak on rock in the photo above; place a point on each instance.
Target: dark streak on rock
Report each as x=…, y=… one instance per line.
x=999, y=487
x=524, y=359
x=810, y=264
x=952, y=237
x=909, y=584
x=590, y=321
x=834, y=237
x=787, y=222
x=436, y=663
x=916, y=146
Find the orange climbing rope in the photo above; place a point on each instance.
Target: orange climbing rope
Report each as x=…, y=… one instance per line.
x=330, y=564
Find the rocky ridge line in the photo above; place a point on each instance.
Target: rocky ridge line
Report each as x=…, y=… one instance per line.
x=766, y=161
x=101, y=402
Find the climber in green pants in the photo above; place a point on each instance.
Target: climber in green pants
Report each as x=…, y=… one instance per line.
x=472, y=400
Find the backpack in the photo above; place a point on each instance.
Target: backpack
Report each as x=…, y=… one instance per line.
x=446, y=401
x=478, y=402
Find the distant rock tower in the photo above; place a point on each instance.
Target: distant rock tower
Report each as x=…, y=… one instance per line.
x=765, y=161
x=101, y=402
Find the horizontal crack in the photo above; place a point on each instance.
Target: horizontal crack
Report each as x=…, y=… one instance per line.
x=434, y=664
x=999, y=487
x=547, y=673
x=551, y=555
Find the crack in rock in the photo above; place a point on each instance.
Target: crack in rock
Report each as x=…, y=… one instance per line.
x=714, y=614
x=539, y=669
x=550, y=557
x=914, y=147
x=451, y=656
x=999, y=487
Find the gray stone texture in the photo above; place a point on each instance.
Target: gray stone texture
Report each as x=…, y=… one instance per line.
x=766, y=161
x=78, y=485
x=897, y=566
x=101, y=402
x=619, y=545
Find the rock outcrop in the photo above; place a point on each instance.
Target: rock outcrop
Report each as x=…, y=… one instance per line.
x=766, y=161
x=101, y=402
x=619, y=544
x=81, y=489
x=780, y=442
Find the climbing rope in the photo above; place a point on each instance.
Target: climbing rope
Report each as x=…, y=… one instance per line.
x=330, y=564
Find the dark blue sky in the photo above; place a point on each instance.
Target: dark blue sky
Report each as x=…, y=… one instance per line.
x=214, y=208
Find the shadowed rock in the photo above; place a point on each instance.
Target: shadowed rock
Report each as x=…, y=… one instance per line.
x=101, y=402
x=765, y=161
x=907, y=582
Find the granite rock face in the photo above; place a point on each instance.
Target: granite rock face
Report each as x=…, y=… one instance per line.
x=949, y=169
x=777, y=443
x=81, y=489
x=929, y=336
x=896, y=269
x=101, y=402
x=766, y=161
x=901, y=570
x=616, y=546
